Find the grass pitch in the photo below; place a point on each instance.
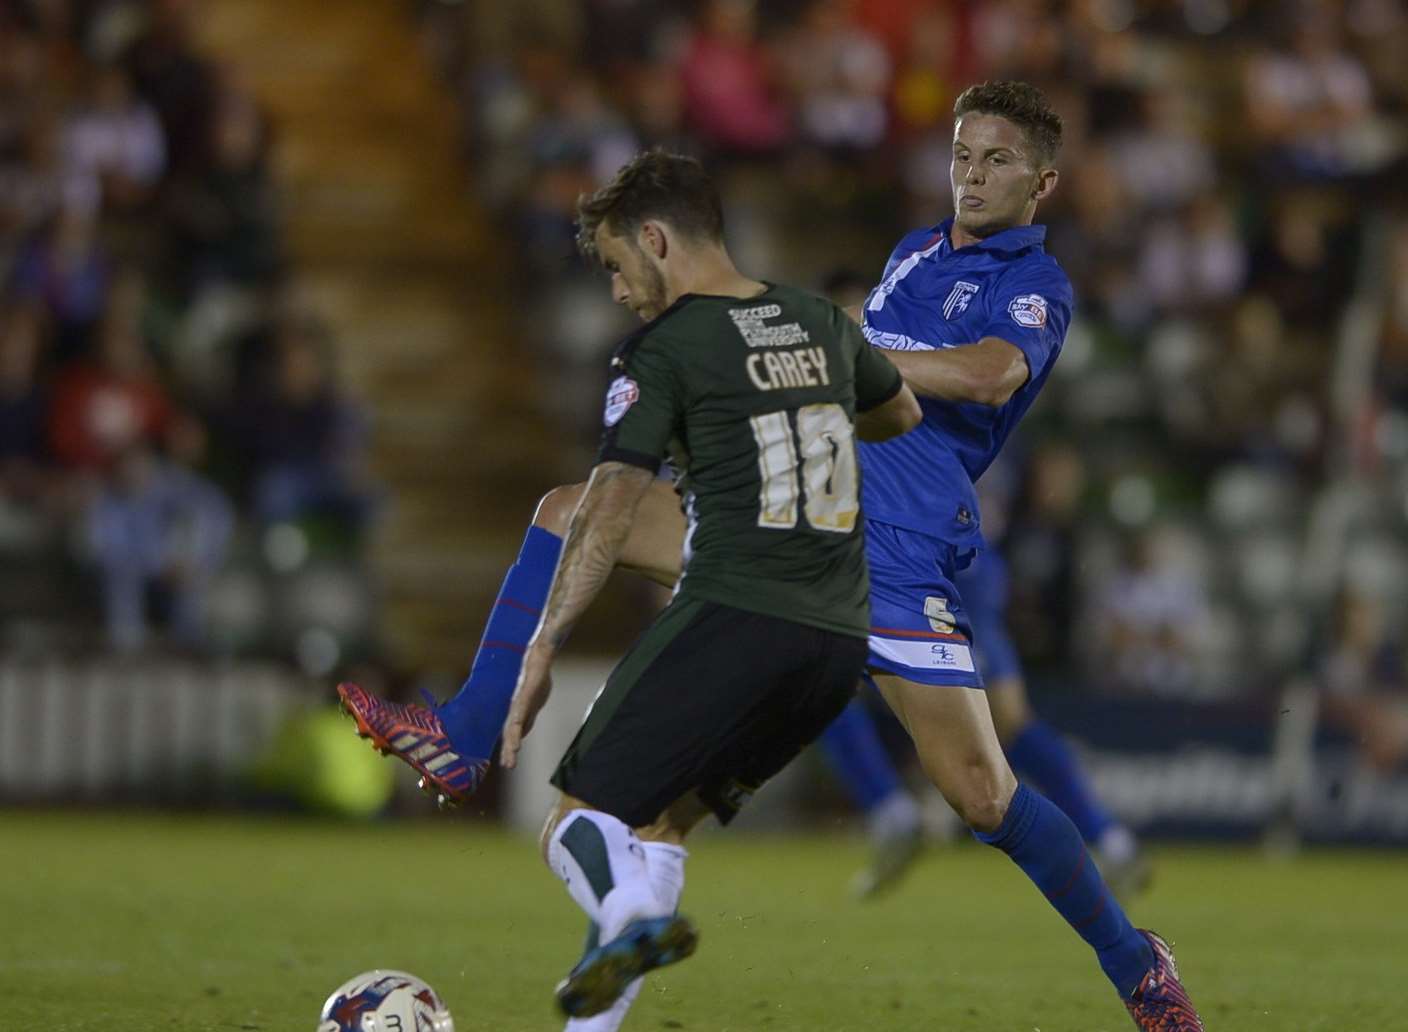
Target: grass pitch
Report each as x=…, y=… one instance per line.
x=134, y=922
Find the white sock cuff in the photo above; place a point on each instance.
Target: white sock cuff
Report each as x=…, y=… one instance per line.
x=665, y=862
x=665, y=849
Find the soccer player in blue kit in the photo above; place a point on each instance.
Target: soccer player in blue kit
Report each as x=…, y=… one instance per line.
x=973, y=312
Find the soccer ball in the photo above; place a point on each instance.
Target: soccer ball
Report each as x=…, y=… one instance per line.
x=385, y=1001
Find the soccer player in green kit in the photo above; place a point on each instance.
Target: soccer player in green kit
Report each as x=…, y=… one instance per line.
x=752, y=390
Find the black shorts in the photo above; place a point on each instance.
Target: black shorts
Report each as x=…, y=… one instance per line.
x=712, y=699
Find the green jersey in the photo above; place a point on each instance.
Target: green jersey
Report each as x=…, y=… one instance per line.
x=753, y=400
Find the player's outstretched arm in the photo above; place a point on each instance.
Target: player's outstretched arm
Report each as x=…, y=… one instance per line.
x=899, y=415
x=986, y=373
x=590, y=550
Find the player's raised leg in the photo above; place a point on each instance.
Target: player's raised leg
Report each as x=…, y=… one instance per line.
x=450, y=745
x=853, y=746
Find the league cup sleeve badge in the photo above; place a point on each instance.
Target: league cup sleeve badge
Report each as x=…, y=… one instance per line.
x=620, y=396
x=1028, y=310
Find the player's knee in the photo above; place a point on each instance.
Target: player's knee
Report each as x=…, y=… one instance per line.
x=979, y=794
x=545, y=836
x=678, y=820
x=983, y=811
x=555, y=817
x=555, y=508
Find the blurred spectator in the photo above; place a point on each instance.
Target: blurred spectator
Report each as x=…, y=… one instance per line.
x=1304, y=261
x=580, y=125
x=23, y=405
x=223, y=219
x=116, y=139
x=840, y=75
x=105, y=405
x=302, y=437
x=1366, y=682
x=158, y=533
x=926, y=82
x=1194, y=260
x=657, y=107
x=1163, y=161
x=1042, y=548
x=37, y=185
x=177, y=80
x=1098, y=240
x=1394, y=363
x=1309, y=103
x=730, y=94
x=66, y=272
x=23, y=88
x=1149, y=619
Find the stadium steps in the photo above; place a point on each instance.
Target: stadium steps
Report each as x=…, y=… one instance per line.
x=388, y=243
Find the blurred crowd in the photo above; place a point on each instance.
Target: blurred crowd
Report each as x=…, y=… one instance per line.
x=1219, y=466
x=172, y=436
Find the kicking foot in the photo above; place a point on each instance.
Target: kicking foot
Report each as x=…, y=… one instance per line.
x=602, y=975
x=1161, y=1004
x=891, y=857
x=414, y=735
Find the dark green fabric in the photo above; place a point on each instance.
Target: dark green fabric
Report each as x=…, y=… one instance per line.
x=754, y=401
x=584, y=841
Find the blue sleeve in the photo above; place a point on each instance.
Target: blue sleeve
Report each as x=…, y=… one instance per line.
x=1032, y=309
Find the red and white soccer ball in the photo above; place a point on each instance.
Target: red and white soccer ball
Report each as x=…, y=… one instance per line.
x=385, y=1001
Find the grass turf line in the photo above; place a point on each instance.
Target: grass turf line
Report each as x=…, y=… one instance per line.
x=134, y=922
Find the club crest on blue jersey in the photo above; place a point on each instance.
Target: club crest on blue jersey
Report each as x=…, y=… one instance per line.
x=1028, y=310
x=620, y=396
x=958, y=298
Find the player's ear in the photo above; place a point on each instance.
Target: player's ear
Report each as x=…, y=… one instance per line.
x=1045, y=184
x=653, y=240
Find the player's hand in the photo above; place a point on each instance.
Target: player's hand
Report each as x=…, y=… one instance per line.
x=534, y=687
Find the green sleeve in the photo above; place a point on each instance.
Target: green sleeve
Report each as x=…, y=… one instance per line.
x=877, y=380
x=644, y=405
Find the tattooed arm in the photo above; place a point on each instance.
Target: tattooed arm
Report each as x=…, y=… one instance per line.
x=593, y=543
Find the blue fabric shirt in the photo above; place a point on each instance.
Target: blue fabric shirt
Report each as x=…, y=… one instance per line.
x=935, y=296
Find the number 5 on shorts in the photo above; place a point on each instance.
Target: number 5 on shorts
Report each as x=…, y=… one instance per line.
x=827, y=477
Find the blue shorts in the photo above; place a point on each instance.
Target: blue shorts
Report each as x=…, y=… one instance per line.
x=919, y=629
x=984, y=585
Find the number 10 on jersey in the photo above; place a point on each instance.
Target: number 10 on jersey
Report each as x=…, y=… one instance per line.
x=825, y=476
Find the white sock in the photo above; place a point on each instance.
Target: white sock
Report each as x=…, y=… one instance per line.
x=602, y=863
x=1118, y=845
x=666, y=864
x=895, y=816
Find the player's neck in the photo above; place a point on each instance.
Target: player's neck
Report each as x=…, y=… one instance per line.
x=715, y=273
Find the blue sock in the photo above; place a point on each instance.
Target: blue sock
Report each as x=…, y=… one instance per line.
x=1041, y=756
x=853, y=746
x=476, y=715
x=1044, y=843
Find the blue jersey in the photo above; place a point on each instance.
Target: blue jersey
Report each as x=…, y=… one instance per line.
x=933, y=296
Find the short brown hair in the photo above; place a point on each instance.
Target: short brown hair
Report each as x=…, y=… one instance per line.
x=653, y=185
x=1020, y=103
